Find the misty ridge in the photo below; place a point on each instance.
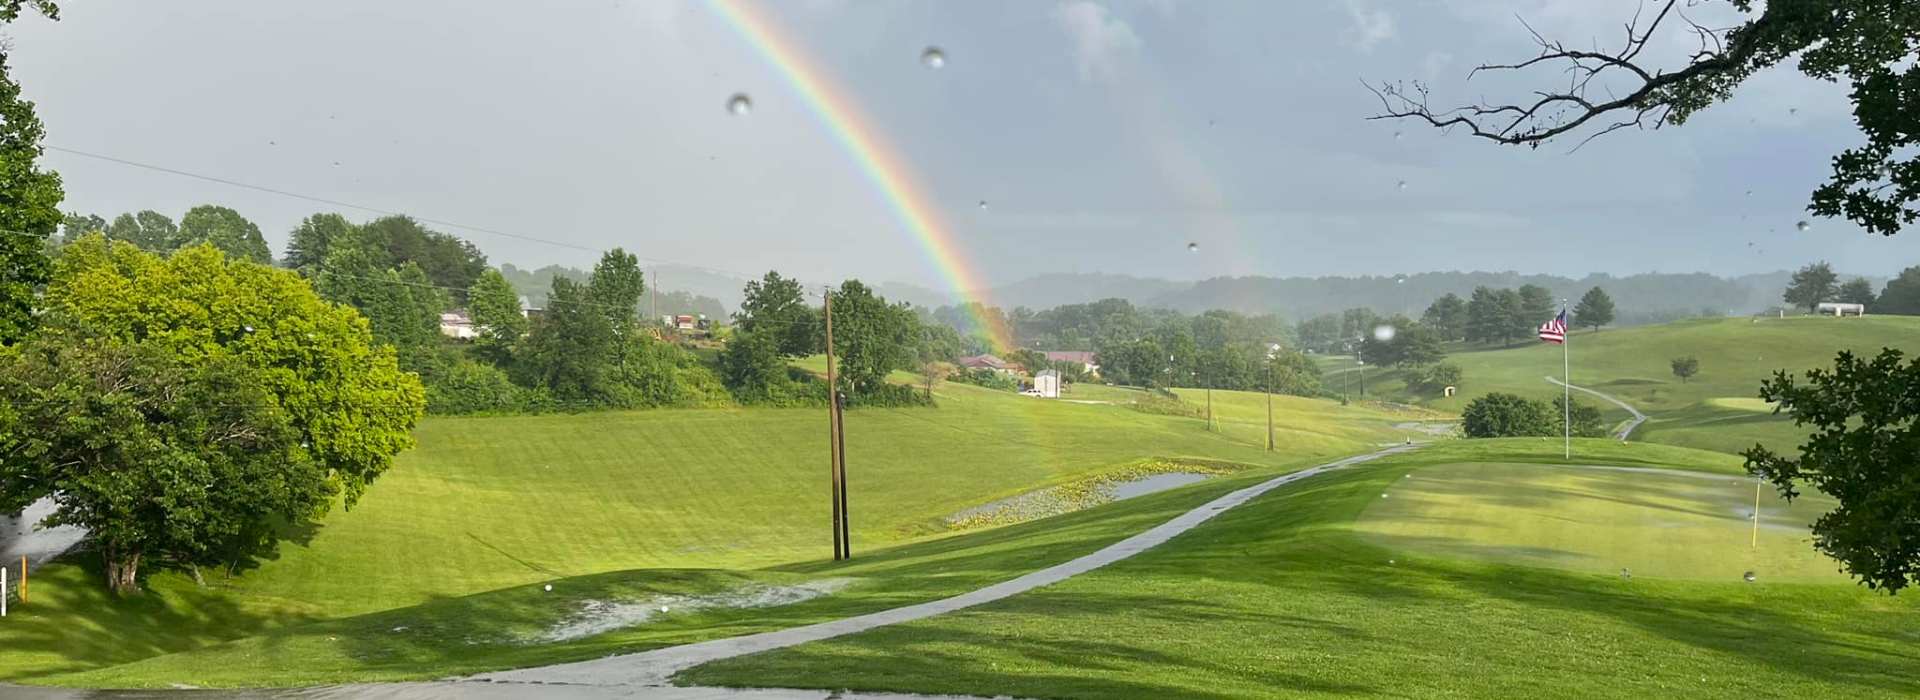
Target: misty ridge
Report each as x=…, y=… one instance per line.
x=1642, y=298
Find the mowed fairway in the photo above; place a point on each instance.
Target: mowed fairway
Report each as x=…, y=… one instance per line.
x=484, y=504
x=1713, y=410
x=1648, y=522
x=1295, y=594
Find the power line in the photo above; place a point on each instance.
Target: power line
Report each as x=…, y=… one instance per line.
x=377, y=210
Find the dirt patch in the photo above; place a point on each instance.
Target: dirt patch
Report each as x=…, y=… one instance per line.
x=1133, y=480
x=602, y=616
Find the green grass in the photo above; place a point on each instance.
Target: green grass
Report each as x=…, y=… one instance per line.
x=1714, y=410
x=1289, y=595
x=1665, y=524
x=487, y=508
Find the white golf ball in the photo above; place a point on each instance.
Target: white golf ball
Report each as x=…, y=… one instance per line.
x=548, y=588
x=663, y=608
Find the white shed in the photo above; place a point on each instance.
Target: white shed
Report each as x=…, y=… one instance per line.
x=1046, y=384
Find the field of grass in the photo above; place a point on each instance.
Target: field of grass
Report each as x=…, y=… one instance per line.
x=497, y=506
x=1298, y=593
x=1666, y=524
x=1718, y=409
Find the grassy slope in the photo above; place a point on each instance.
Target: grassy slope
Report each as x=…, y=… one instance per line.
x=1632, y=364
x=485, y=504
x=1283, y=597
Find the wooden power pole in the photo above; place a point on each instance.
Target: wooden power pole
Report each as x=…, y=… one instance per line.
x=834, y=443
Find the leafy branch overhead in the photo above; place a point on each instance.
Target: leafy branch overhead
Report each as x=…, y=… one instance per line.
x=1870, y=44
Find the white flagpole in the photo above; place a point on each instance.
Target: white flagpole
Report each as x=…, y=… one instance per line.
x=1566, y=389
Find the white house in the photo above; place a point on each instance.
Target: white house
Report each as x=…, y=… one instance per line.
x=1046, y=384
x=1838, y=308
x=1082, y=358
x=457, y=324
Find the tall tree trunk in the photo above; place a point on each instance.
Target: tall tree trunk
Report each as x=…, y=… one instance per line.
x=123, y=568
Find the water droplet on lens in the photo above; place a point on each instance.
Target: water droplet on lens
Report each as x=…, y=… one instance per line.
x=933, y=58
x=1402, y=185
x=1383, y=333
x=1398, y=135
x=1193, y=247
x=983, y=204
x=1803, y=225
x=1793, y=110
x=740, y=104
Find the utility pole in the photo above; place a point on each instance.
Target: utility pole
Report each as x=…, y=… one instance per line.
x=1270, y=401
x=840, y=441
x=833, y=428
x=1209, y=402
x=655, y=298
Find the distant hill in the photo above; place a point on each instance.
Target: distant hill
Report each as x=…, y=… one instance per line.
x=1642, y=298
x=534, y=285
x=1050, y=290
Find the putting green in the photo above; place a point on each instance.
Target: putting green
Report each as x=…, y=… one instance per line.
x=1742, y=403
x=1653, y=522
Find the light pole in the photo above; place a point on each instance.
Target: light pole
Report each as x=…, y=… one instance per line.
x=1401, y=283
x=1273, y=350
x=1363, y=380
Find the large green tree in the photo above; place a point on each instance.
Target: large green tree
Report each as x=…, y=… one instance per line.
x=450, y=262
x=1902, y=294
x=871, y=336
x=310, y=241
x=775, y=306
x=569, y=349
x=1867, y=44
x=1536, y=307
x=151, y=230
x=1594, y=310
x=1447, y=317
x=614, y=290
x=1861, y=452
x=1811, y=285
x=225, y=229
x=29, y=196
x=1855, y=291
x=402, y=306
x=244, y=382
x=497, y=316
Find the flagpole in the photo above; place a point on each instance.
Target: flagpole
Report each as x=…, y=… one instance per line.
x=1566, y=390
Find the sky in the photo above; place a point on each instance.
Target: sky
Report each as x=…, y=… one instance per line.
x=1101, y=135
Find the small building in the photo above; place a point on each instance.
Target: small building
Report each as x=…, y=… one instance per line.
x=1840, y=308
x=1046, y=384
x=1079, y=357
x=986, y=362
x=458, y=325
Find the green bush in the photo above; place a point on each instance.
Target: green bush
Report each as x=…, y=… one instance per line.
x=987, y=378
x=1506, y=415
x=1163, y=403
x=468, y=387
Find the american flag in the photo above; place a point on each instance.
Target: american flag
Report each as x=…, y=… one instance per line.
x=1555, y=331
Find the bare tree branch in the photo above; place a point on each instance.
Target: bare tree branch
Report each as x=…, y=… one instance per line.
x=1551, y=114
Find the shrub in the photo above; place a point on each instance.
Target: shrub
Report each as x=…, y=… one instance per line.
x=1506, y=415
x=468, y=387
x=1165, y=403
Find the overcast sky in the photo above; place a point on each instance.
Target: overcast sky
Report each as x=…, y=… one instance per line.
x=1105, y=135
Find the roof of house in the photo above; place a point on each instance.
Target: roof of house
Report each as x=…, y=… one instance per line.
x=1081, y=356
x=987, y=361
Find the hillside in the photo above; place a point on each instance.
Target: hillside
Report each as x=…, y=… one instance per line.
x=485, y=504
x=1717, y=409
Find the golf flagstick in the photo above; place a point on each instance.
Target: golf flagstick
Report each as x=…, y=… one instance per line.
x=1566, y=394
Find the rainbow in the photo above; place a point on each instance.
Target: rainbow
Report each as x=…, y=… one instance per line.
x=873, y=155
